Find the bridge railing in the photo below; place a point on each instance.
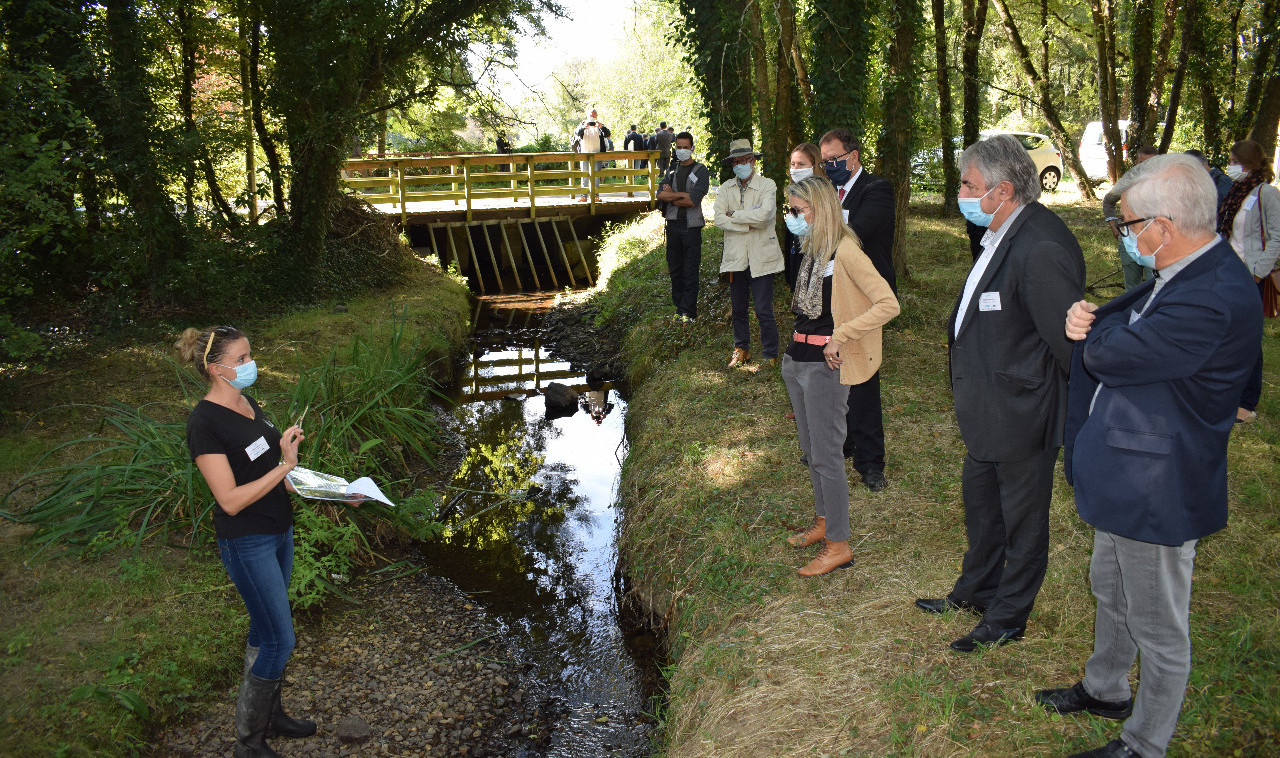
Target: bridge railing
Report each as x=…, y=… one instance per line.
x=518, y=177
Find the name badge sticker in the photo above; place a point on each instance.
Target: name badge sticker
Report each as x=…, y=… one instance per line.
x=255, y=450
x=845, y=212
x=1249, y=202
x=989, y=301
x=693, y=178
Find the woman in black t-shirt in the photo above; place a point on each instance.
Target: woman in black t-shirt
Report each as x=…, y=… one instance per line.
x=244, y=459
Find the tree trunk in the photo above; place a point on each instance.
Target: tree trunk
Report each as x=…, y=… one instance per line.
x=246, y=112
x=1160, y=69
x=802, y=74
x=1141, y=71
x=1175, y=88
x=259, y=125
x=1045, y=97
x=1267, y=121
x=843, y=38
x=1104, y=23
x=760, y=74
x=975, y=21
x=946, y=119
x=128, y=133
x=1268, y=31
x=786, y=116
x=196, y=149
x=1204, y=59
x=901, y=97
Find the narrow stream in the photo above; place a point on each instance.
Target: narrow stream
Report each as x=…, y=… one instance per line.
x=544, y=560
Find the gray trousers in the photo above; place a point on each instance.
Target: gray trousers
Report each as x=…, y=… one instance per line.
x=586, y=181
x=820, y=401
x=1144, y=601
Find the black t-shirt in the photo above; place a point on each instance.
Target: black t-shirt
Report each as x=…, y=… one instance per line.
x=252, y=448
x=823, y=325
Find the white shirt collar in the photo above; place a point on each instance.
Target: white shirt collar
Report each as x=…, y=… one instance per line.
x=849, y=184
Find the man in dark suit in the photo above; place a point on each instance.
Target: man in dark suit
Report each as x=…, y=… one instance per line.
x=1155, y=375
x=866, y=201
x=1009, y=360
x=635, y=141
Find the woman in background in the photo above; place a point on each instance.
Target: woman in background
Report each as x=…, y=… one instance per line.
x=1249, y=218
x=840, y=302
x=806, y=161
x=245, y=459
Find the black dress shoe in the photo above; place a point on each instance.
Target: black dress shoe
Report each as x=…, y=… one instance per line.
x=1075, y=699
x=1113, y=749
x=941, y=605
x=986, y=635
x=804, y=460
x=875, y=481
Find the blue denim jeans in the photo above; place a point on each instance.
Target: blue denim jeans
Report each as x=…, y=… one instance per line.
x=260, y=566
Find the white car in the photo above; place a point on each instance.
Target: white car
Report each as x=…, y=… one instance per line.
x=1048, y=159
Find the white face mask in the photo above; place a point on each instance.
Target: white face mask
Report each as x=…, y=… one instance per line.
x=1235, y=171
x=800, y=174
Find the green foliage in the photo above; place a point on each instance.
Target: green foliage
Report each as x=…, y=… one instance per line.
x=843, y=40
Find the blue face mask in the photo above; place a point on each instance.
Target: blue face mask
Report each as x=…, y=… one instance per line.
x=971, y=209
x=246, y=375
x=1130, y=242
x=838, y=172
x=743, y=171
x=797, y=225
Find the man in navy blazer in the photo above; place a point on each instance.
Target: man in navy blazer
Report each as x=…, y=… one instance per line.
x=1154, y=378
x=1008, y=362
x=866, y=201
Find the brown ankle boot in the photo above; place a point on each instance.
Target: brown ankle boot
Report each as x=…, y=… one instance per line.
x=811, y=536
x=832, y=556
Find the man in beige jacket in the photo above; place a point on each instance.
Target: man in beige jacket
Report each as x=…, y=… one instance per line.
x=745, y=210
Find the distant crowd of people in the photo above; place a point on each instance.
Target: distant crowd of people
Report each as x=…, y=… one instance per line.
x=1141, y=392
x=592, y=136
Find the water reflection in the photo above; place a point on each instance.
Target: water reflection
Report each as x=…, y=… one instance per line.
x=546, y=564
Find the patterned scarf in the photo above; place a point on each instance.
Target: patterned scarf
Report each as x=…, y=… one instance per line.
x=807, y=299
x=1240, y=189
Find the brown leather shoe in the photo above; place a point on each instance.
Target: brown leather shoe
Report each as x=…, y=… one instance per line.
x=739, y=357
x=832, y=556
x=811, y=536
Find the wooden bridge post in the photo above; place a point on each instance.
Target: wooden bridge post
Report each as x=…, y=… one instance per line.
x=533, y=212
x=591, y=183
x=475, y=262
x=563, y=255
x=653, y=180
x=551, y=269
x=453, y=186
x=466, y=185
x=404, y=208
x=515, y=270
x=537, y=285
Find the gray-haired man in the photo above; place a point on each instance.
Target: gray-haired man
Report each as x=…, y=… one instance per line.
x=1154, y=379
x=1009, y=362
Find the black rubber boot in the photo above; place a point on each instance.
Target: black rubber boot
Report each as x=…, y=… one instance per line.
x=283, y=725
x=253, y=711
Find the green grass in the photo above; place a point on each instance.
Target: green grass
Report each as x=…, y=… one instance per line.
x=98, y=654
x=764, y=663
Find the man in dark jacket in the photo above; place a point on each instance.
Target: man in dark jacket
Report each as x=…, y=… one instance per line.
x=866, y=201
x=1008, y=361
x=1155, y=375
x=635, y=141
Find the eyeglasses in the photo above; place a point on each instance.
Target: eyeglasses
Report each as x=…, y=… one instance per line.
x=742, y=161
x=793, y=211
x=1123, y=227
x=833, y=161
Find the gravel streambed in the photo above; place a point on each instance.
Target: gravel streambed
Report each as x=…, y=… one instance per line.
x=418, y=670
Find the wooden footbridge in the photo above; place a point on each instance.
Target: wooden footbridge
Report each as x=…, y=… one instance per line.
x=509, y=221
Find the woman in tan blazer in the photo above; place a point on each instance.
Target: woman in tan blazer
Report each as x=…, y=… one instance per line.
x=840, y=302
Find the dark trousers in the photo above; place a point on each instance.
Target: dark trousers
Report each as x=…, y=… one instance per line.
x=684, y=257
x=1006, y=513
x=864, y=424
x=760, y=289
x=1253, y=387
